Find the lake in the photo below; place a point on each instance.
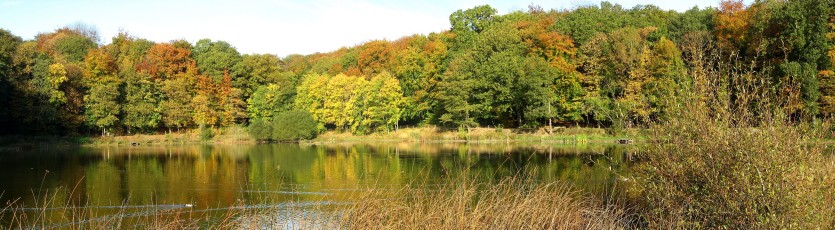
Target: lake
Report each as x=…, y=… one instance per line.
x=131, y=180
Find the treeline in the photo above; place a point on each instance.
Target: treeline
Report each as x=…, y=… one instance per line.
x=595, y=65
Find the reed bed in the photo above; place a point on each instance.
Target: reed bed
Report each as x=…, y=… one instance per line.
x=734, y=155
x=512, y=203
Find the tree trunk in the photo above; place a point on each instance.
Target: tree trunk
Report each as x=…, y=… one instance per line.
x=519, y=119
x=550, y=125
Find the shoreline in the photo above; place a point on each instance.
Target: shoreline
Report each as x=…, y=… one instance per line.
x=238, y=135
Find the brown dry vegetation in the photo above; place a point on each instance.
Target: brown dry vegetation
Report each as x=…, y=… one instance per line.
x=731, y=158
x=512, y=203
x=432, y=134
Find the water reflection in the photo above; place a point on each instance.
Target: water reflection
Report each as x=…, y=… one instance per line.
x=222, y=176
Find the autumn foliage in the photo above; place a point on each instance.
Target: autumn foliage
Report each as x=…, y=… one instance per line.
x=599, y=65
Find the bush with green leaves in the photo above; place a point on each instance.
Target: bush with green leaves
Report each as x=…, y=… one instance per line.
x=206, y=133
x=293, y=126
x=286, y=126
x=261, y=129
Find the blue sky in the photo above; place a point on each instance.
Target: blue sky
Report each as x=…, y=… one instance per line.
x=278, y=27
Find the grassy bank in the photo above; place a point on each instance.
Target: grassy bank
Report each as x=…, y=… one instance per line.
x=561, y=135
x=237, y=134
x=234, y=134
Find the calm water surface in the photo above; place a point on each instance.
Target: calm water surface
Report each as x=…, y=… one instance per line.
x=217, y=177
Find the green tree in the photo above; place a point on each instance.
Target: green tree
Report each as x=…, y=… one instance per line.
x=56, y=78
x=383, y=103
x=259, y=70
x=141, y=107
x=8, y=69
x=549, y=94
x=214, y=59
x=8, y=46
x=418, y=67
x=310, y=97
x=294, y=125
x=472, y=20
x=692, y=20
x=514, y=72
x=631, y=79
x=101, y=103
x=176, y=107
x=455, y=93
x=803, y=78
x=827, y=76
x=32, y=107
x=669, y=83
x=75, y=47
x=342, y=104
x=268, y=101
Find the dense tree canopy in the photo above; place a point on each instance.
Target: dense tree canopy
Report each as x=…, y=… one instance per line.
x=593, y=65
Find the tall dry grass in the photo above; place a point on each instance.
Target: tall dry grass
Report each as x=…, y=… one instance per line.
x=731, y=157
x=512, y=203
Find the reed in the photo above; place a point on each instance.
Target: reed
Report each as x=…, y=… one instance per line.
x=512, y=203
x=732, y=157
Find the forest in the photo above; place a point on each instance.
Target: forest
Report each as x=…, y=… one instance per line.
x=599, y=65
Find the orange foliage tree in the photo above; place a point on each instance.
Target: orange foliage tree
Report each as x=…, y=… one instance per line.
x=732, y=24
x=374, y=57
x=164, y=61
x=556, y=48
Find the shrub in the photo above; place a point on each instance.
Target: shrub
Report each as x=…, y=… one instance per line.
x=206, y=133
x=293, y=126
x=261, y=129
x=713, y=176
x=734, y=162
